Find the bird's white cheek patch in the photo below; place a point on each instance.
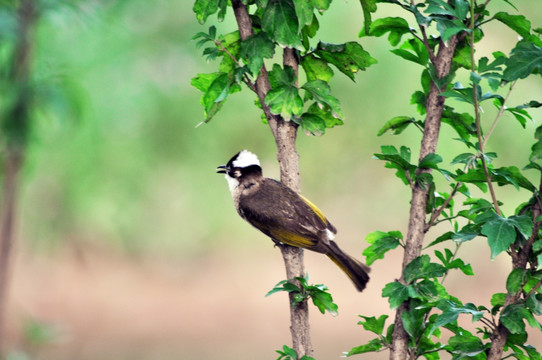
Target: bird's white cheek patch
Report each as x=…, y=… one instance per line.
x=232, y=182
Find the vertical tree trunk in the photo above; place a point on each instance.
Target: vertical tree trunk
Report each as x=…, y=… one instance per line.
x=285, y=134
x=12, y=165
x=16, y=123
x=417, y=222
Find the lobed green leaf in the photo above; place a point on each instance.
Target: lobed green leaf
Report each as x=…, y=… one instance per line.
x=373, y=324
x=525, y=59
x=380, y=243
x=255, y=49
x=422, y=268
x=280, y=22
x=349, y=58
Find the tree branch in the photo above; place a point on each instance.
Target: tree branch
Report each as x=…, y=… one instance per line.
x=439, y=211
x=285, y=134
x=416, y=224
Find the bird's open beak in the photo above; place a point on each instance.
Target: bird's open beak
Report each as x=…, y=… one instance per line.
x=221, y=169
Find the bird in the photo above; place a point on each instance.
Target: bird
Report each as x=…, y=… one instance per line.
x=284, y=215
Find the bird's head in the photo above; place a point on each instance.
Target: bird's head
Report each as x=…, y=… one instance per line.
x=242, y=165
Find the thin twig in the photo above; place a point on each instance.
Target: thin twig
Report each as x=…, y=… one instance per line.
x=439, y=211
x=426, y=43
x=499, y=115
x=489, y=323
x=246, y=79
x=477, y=118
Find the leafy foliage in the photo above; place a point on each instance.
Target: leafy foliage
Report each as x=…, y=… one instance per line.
x=279, y=23
x=302, y=292
x=426, y=306
x=421, y=288
x=287, y=353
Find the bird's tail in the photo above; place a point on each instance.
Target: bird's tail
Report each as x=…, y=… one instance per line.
x=356, y=271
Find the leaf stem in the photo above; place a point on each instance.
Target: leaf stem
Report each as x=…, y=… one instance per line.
x=499, y=115
x=477, y=114
x=439, y=211
x=246, y=79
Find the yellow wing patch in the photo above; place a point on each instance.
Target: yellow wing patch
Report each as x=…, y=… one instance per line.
x=317, y=211
x=292, y=239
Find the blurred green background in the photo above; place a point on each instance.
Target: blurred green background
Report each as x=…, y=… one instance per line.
x=129, y=246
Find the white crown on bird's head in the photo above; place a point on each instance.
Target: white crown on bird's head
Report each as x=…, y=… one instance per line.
x=245, y=159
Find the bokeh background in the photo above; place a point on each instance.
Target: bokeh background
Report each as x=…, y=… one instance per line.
x=128, y=245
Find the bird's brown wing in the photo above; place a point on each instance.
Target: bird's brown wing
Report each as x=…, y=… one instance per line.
x=284, y=215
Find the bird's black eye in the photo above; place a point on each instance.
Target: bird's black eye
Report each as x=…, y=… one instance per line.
x=235, y=173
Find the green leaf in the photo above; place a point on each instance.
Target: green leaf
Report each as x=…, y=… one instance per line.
x=536, y=149
x=287, y=353
x=283, y=99
x=215, y=88
x=500, y=233
x=468, y=232
x=516, y=280
x=440, y=7
x=232, y=43
x=397, y=293
x=399, y=161
x=204, y=9
x=316, y=68
x=279, y=21
x=413, y=50
x=466, y=345
x=422, y=268
x=321, y=5
x=254, y=49
x=524, y=224
x=525, y=59
x=368, y=7
x=533, y=353
x=521, y=115
x=323, y=301
x=394, y=157
x=510, y=175
x=371, y=346
x=320, y=91
x=318, y=293
x=449, y=262
x=534, y=304
x=373, y=324
x=512, y=317
x=222, y=7
x=518, y=23
x=396, y=125
x=498, y=299
x=311, y=124
x=380, y=243
x=396, y=26
x=430, y=161
x=444, y=237
x=413, y=321
x=305, y=12
x=325, y=113
x=349, y=58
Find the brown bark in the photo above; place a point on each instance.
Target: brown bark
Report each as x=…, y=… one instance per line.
x=417, y=221
x=12, y=165
x=14, y=153
x=285, y=134
x=520, y=261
